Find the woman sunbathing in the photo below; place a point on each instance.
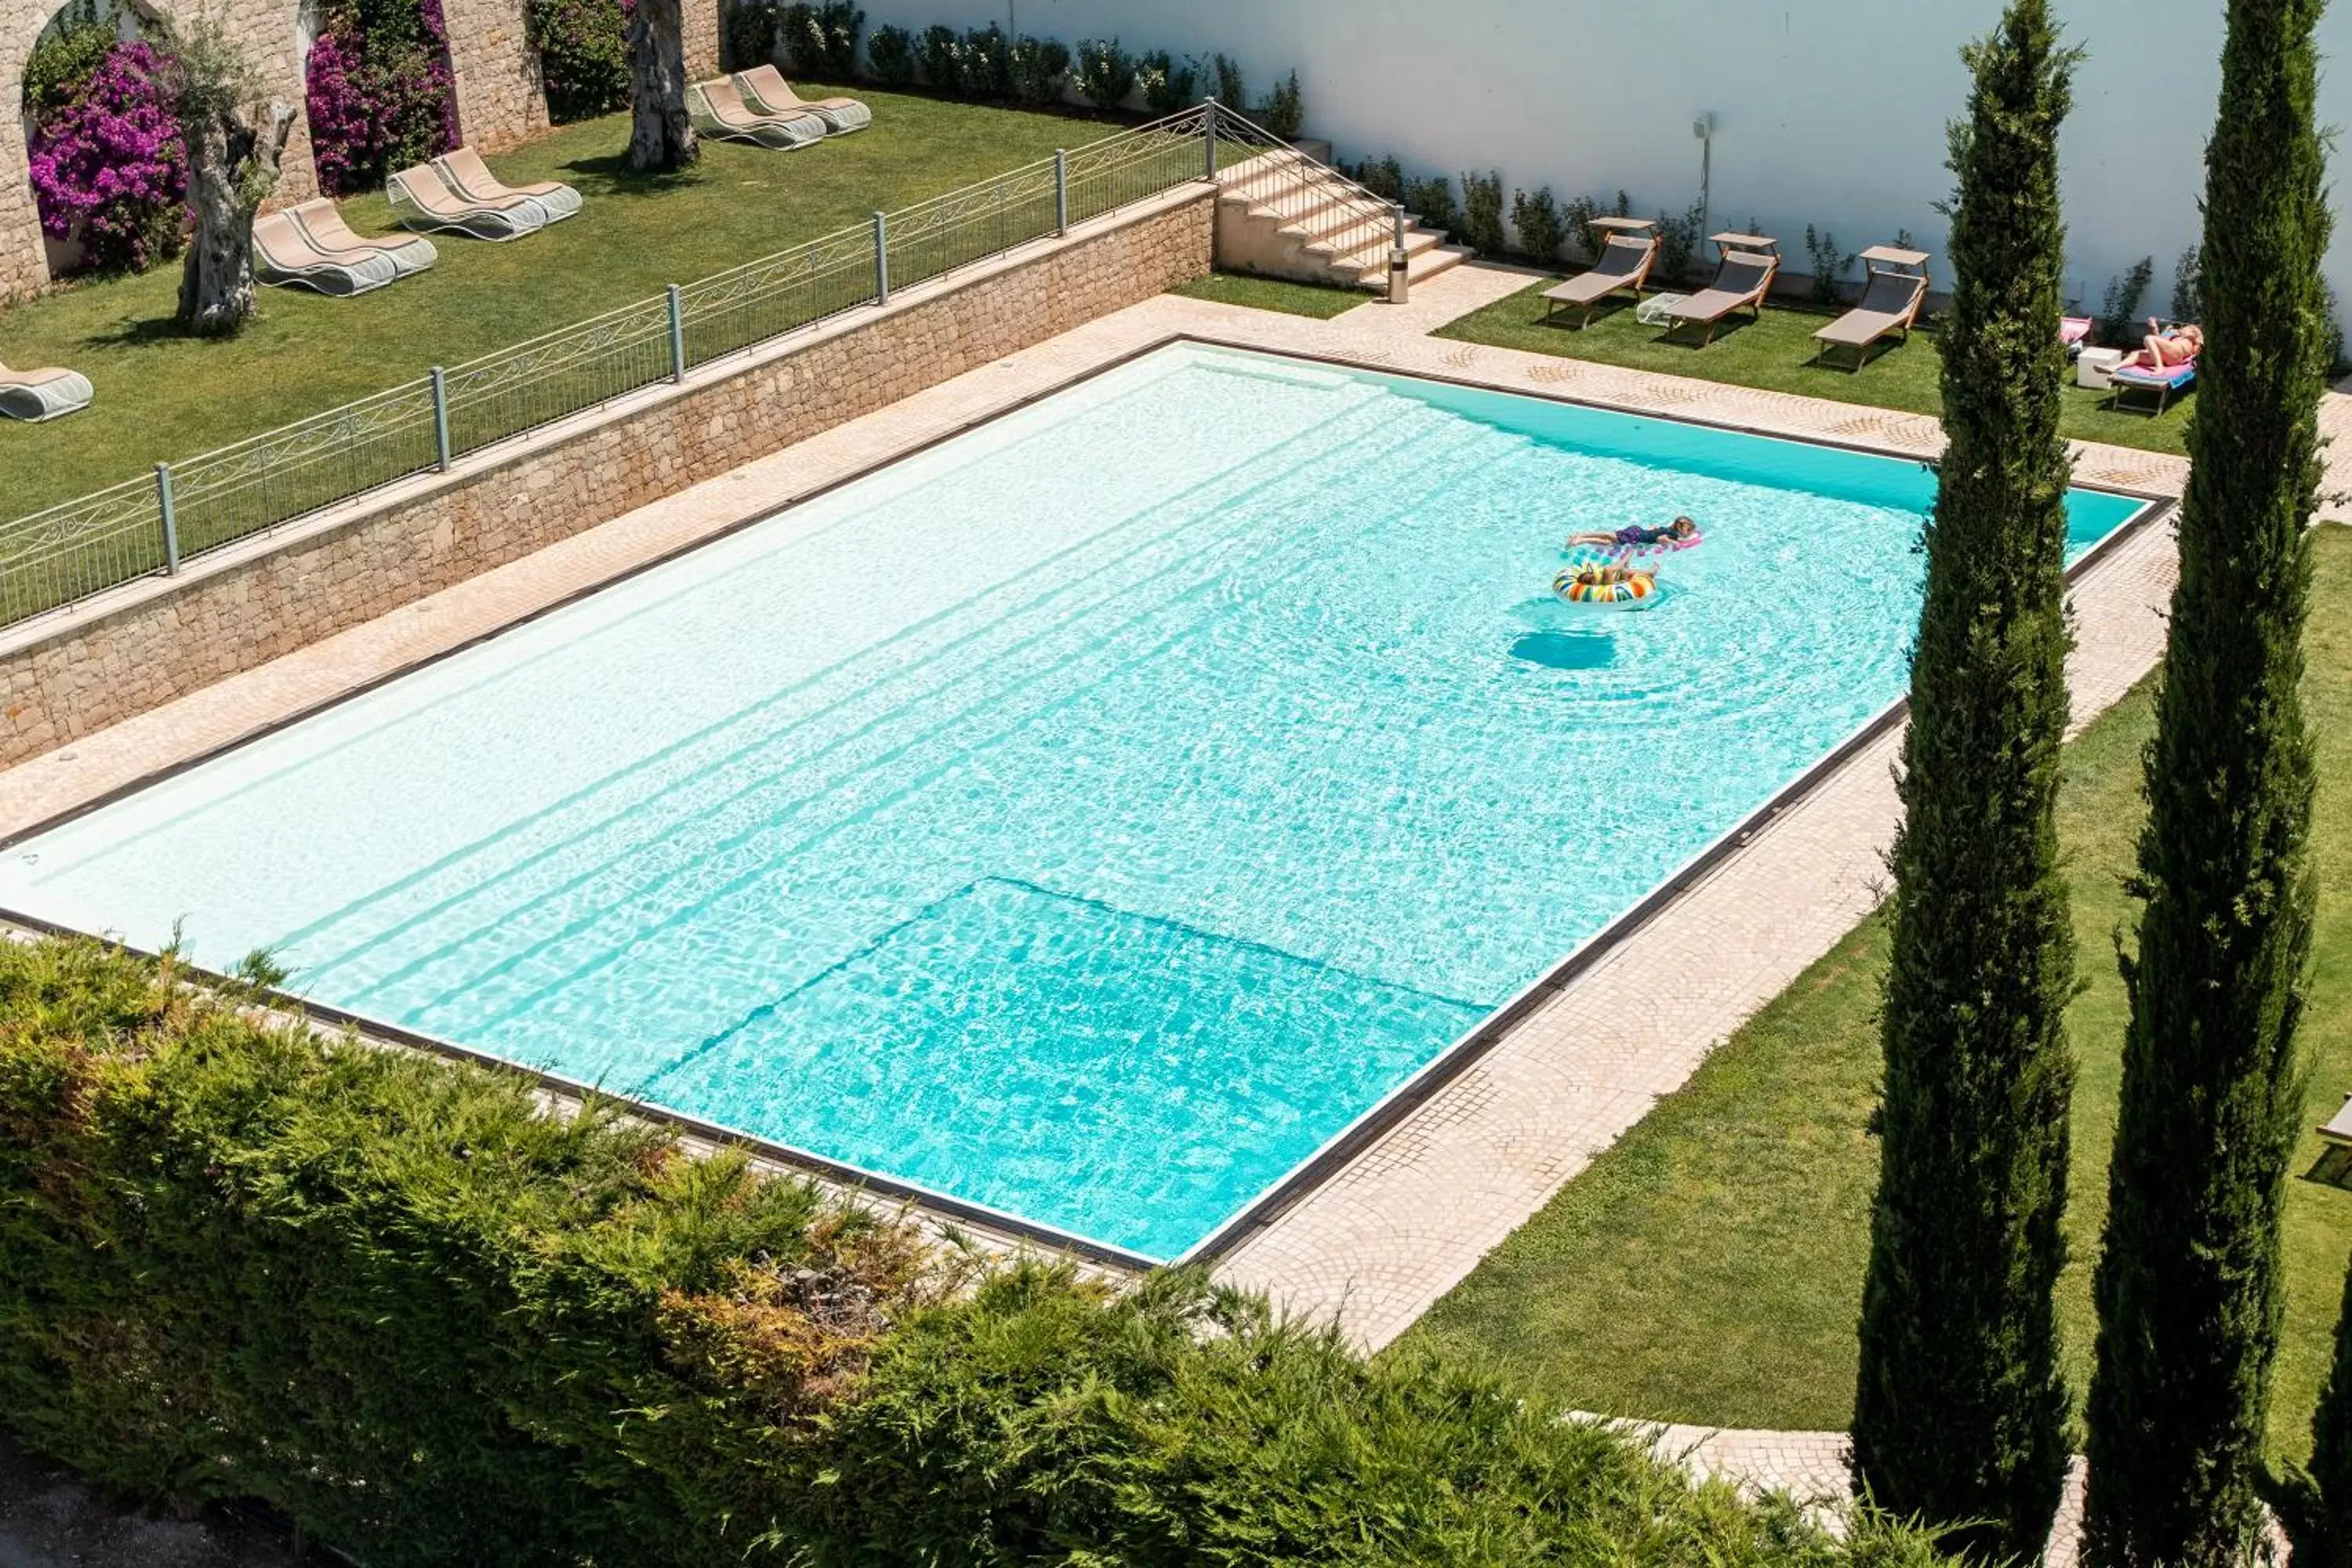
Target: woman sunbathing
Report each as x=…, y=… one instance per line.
x=2166, y=351
x=1680, y=529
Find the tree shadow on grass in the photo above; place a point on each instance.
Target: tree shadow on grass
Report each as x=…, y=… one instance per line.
x=613, y=172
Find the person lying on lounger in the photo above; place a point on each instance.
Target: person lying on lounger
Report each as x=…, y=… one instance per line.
x=1681, y=528
x=2166, y=351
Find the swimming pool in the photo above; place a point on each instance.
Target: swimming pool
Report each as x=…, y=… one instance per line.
x=1087, y=818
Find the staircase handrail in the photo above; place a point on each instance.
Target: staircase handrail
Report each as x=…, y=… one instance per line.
x=1353, y=195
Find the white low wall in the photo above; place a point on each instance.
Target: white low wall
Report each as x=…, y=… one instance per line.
x=1830, y=112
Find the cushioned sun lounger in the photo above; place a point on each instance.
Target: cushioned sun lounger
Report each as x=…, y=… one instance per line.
x=2167, y=383
x=719, y=110
x=464, y=171
x=1625, y=262
x=321, y=223
x=284, y=256
x=1889, y=304
x=34, y=396
x=420, y=199
x=766, y=91
x=1741, y=280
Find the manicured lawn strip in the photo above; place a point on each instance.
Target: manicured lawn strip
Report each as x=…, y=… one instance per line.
x=1777, y=353
x=160, y=396
x=1708, y=1269
x=1275, y=294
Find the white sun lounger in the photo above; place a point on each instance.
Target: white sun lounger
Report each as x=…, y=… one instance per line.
x=321, y=223
x=463, y=171
x=284, y=257
x=718, y=110
x=421, y=200
x=765, y=90
x=34, y=396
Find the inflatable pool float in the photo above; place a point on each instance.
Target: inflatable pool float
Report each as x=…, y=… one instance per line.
x=1617, y=553
x=1581, y=586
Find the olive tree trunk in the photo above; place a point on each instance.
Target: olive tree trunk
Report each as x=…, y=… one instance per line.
x=661, y=136
x=233, y=158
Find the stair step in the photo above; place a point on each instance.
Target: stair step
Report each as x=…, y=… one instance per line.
x=1370, y=253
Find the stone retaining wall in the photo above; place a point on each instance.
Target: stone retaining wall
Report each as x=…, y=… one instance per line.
x=143, y=643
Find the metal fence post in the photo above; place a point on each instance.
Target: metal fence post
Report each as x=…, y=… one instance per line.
x=440, y=419
x=171, y=522
x=881, y=258
x=1209, y=132
x=1061, y=193
x=676, y=334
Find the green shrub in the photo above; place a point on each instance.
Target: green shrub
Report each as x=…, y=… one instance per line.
x=1576, y=222
x=1284, y=111
x=584, y=56
x=1431, y=201
x=430, y=1324
x=891, y=54
x=1830, y=265
x=1679, y=242
x=2119, y=317
x=1166, y=85
x=1040, y=68
x=1536, y=219
x=751, y=33
x=1384, y=177
x=2189, y=286
x=1482, y=211
x=1106, y=73
x=65, y=57
x=987, y=61
x=1233, y=88
x=822, y=40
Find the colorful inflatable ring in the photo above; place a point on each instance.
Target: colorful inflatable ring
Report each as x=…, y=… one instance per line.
x=1626, y=593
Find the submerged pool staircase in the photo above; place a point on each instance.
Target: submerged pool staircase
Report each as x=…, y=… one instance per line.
x=1284, y=214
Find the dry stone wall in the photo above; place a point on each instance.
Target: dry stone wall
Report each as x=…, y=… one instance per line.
x=167, y=637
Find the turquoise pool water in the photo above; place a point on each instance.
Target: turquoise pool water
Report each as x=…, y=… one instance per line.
x=1088, y=817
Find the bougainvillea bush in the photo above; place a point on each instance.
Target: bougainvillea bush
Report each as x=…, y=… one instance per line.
x=381, y=96
x=109, y=165
x=584, y=56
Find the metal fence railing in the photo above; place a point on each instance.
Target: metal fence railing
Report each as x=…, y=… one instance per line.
x=70, y=551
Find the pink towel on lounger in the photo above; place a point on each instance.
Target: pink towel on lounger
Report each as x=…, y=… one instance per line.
x=2170, y=375
x=2073, y=330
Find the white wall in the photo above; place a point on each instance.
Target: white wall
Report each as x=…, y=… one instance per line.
x=1831, y=112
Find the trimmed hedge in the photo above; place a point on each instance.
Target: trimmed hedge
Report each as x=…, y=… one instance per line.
x=431, y=1324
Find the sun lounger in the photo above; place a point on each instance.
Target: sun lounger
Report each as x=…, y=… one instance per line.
x=1742, y=279
x=284, y=257
x=1890, y=302
x=421, y=200
x=719, y=110
x=1629, y=249
x=2074, y=332
x=464, y=171
x=2336, y=1159
x=34, y=396
x=766, y=91
x=321, y=223
x=2167, y=383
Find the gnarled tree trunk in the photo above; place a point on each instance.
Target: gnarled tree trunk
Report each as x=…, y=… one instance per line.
x=233, y=157
x=661, y=136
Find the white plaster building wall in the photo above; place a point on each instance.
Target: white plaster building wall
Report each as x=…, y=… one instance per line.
x=1827, y=112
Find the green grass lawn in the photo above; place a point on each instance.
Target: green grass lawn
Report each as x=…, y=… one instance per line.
x=1777, y=353
x=161, y=396
x=1314, y=300
x=1708, y=1268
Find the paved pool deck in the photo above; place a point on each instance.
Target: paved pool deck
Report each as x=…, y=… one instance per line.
x=1377, y=1243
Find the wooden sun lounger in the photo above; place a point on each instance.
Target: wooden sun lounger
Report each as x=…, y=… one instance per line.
x=463, y=171
x=1742, y=279
x=1629, y=252
x=1890, y=304
x=34, y=396
x=719, y=110
x=321, y=223
x=2335, y=1160
x=285, y=257
x=766, y=91
x=420, y=199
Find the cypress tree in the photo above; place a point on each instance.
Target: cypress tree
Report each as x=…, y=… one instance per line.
x=2331, y=1449
x=2188, y=1287
x=1960, y=1408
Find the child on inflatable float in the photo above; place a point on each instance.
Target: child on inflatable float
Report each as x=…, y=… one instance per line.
x=1679, y=534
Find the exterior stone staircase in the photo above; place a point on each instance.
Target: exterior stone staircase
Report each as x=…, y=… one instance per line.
x=1282, y=214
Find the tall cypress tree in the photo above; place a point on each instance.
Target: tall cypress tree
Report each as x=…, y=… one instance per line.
x=1960, y=1408
x=2188, y=1287
x=2331, y=1449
